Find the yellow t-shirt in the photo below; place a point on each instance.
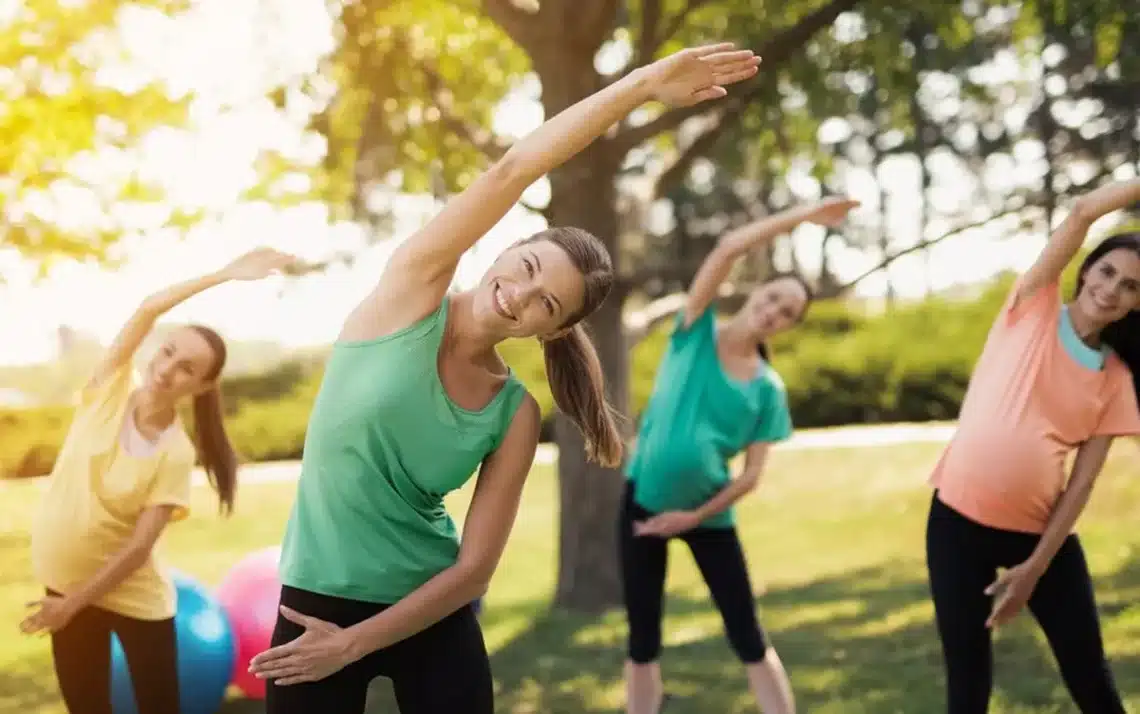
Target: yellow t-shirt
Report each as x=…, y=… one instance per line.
x=96, y=495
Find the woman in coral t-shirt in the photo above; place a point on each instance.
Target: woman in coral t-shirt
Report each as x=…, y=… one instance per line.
x=1054, y=376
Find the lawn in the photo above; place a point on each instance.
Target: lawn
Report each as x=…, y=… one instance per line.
x=835, y=542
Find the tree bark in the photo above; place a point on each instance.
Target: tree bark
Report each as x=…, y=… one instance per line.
x=583, y=194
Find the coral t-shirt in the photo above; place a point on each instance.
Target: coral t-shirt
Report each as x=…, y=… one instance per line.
x=1029, y=404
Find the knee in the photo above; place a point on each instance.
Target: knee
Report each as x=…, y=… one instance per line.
x=749, y=644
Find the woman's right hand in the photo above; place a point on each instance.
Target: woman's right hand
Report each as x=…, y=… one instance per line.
x=697, y=74
x=260, y=263
x=831, y=212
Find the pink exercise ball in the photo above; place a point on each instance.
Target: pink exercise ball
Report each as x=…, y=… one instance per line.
x=250, y=594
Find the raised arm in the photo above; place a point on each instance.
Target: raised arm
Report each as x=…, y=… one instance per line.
x=420, y=270
x=253, y=265
x=737, y=243
x=1067, y=240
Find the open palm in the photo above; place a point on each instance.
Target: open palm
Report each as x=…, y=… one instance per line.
x=697, y=74
x=260, y=263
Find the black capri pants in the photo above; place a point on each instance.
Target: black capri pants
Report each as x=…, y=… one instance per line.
x=82, y=655
x=720, y=559
x=441, y=670
x=963, y=557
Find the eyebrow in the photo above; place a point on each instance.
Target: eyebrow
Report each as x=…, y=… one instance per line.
x=538, y=266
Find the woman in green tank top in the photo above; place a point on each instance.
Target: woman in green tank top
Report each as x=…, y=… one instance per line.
x=415, y=399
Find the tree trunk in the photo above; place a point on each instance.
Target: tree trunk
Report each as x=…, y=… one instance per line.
x=583, y=194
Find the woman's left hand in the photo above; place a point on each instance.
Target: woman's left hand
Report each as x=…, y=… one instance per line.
x=667, y=524
x=323, y=649
x=52, y=615
x=1011, y=592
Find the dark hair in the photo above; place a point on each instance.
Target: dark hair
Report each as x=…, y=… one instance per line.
x=1123, y=336
x=809, y=295
x=572, y=365
x=213, y=445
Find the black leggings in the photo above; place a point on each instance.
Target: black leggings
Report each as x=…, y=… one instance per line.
x=442, y=670
x=963, y=557
x=82, y=654
x=721, y=562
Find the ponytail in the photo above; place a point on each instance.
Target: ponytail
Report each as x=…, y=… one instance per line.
x=576, y=381
x=210, y=439
x=1123, y=336
x=214, y=448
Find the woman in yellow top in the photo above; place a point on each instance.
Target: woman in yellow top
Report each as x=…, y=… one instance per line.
x=122, y=474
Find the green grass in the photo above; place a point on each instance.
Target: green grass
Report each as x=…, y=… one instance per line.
x=835, y=543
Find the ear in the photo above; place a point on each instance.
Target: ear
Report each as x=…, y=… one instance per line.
x=206, y=387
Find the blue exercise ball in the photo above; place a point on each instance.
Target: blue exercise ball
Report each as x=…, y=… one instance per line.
x=206, y=654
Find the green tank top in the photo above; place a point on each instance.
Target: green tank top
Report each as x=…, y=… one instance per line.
x=384, y=445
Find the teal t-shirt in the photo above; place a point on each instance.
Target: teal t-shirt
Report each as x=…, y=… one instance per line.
x=1086, y=356
x=384, y=445
x=697, y=419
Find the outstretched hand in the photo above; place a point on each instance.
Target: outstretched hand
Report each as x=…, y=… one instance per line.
x=697, y=74
x=261, y=263
x=831, y=212
x=321, y=650
x=51, y=615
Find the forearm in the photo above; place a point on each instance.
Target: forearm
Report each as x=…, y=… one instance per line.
x=738, y=488
x=166, y=299
x=1106, y=199
x=570, y=131
x=107, y=578
x=439, y=597
x=747, y=238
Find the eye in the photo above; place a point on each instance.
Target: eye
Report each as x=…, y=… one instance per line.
x=529, y=267
x=549, y=305
x=1107, y=270
x=167, y=350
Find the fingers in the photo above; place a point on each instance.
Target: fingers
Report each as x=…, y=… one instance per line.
x=738, y=75
x=270, y=657
x=706, y=50
x=721, y=60
x=713, y=92
x=297, y=618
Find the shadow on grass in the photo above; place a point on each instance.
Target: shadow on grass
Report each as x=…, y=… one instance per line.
x=859, y=643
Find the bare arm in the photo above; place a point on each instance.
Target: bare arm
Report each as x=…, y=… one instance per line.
x=741, y=241
x=1087, y=467
x=490, y=518
x=1067, y=240
x=251, y=266
x=755, y=457
x=130, y=558
x=421, y=269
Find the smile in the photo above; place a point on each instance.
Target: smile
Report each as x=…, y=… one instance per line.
x=501, y=305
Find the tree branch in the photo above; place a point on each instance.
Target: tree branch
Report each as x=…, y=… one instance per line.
x=922, y=245
x=647, y=42
x=678, y=21
x=478, y=137
x=774, y=53
x=520, y=25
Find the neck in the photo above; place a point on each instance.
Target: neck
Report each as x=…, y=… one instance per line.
x=737, y=337
x=469, y=338
x=152, y=411
x=1087, y=329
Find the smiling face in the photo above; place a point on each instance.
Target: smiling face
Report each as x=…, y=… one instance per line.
x=185, y=365
x=1110, y=285
x=544, y=284
x=775, y=306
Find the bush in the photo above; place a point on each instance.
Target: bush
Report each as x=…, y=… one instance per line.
x=840, y=366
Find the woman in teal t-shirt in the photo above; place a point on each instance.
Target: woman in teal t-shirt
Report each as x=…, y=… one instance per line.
x=415, y=399
x=715, y=395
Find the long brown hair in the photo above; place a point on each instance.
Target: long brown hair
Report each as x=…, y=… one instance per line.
x=214, y=448
x=572, y=365
x=1123, y=336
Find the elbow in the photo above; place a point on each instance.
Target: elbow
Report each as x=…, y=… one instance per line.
x=514, y=171
x=1083, y=212
x=749, y=482
x=474, y=579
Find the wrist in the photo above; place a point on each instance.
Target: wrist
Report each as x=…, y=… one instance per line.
x=351, y=645
x=639, y=84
